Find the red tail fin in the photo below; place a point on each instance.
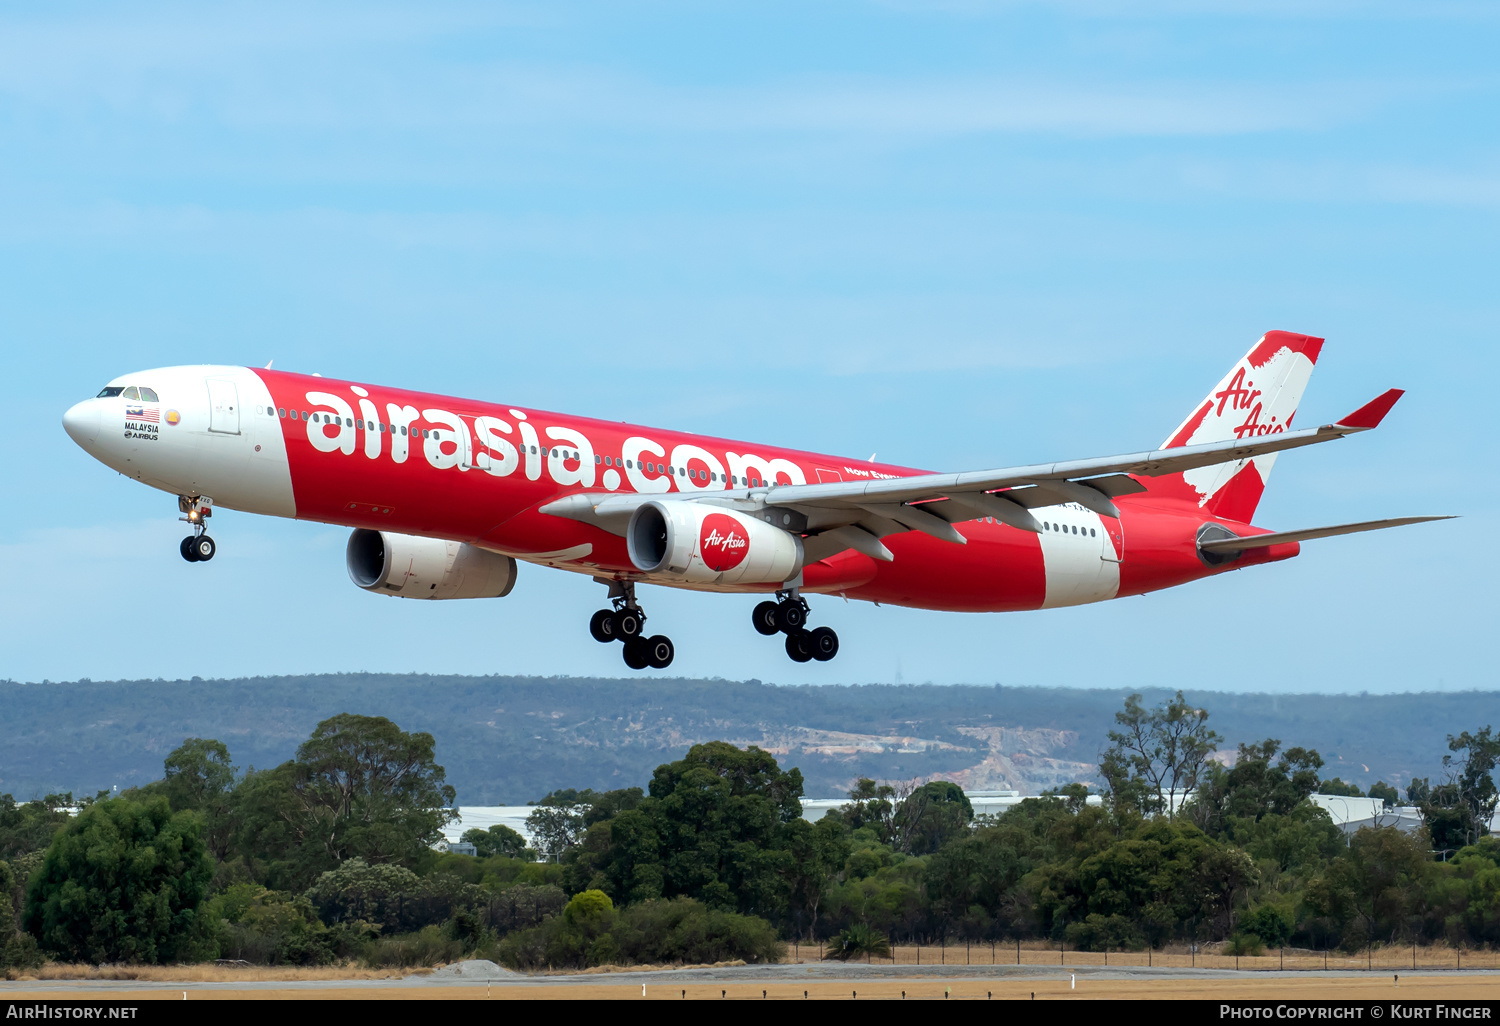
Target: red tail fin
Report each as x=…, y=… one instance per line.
x=1259, y=396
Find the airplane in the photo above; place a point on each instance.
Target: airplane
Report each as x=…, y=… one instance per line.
x=444, y=496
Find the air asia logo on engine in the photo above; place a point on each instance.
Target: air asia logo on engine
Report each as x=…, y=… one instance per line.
x=723, y=543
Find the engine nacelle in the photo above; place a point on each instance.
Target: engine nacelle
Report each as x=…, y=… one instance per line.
x=705, y=544
x=408, y=566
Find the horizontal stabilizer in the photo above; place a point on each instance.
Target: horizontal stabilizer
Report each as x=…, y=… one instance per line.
x=1281, y=537
x=1373, y=412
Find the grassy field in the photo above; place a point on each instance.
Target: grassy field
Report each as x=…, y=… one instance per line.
x=1034, y=953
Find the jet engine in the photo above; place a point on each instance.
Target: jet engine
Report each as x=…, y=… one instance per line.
x=703, y=544
x=408, y=566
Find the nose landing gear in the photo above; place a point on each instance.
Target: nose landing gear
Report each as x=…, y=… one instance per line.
x=788, y=615
x=626, y=622
x=197, y=547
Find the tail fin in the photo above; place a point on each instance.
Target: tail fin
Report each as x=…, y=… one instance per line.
x=1258, y=396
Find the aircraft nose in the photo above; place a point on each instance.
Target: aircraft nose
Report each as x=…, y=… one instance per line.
x=81, y=422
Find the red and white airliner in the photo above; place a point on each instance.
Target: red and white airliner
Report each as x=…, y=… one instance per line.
x=445, y=495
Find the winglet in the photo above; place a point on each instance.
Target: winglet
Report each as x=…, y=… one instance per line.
x=1373, y=412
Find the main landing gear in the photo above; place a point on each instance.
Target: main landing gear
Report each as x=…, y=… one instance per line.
x=625, y=622
x=788, y=615
x=197, y=547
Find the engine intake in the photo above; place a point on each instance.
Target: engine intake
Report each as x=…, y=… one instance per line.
x=409, y=566
x=702, y=544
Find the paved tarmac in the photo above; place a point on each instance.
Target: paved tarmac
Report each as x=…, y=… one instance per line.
x=478, y=973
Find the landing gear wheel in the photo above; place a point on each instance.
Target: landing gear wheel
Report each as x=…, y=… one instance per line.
x=823, y=643
x=797, y=647
x=628, y=623
x=790, y=617
x=186, y=548
x=659, y=651
x=764, y=618
x=203, y=548
x=637, y=654
x=602, y=626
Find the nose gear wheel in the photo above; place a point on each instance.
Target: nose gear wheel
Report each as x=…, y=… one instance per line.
x=197, y=547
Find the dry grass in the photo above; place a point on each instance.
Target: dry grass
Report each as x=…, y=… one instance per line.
x=1390, y=958
x=209, y=972
x=1452, y=987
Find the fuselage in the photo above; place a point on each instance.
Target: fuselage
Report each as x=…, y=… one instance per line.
x=391, y=459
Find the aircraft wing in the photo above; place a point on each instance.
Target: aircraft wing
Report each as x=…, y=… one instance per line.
x=840, y=515
x=1256, y=541
x=932, y=503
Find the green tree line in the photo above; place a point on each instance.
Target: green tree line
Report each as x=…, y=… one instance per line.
x=332, y=856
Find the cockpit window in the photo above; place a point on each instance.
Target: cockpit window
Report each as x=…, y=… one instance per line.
x=149, y=394
x=110, y=392
x=132, y=393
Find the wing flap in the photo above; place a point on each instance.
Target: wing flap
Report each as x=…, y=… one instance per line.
x=1149, y=464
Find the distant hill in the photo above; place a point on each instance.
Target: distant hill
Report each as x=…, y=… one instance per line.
x=512, y=739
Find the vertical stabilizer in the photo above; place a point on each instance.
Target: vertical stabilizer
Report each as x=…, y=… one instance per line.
x=1259, y=396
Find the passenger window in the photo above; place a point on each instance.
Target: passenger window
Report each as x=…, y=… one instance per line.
x=629, y=465
x=149, y=395
x=132, y=393
x=109, y=392
x=403, y=430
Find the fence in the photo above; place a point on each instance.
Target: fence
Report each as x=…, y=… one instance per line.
x=1389, y=958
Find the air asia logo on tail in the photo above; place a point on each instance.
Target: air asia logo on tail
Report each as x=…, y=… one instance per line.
x=1259, y=396
x=723, y=543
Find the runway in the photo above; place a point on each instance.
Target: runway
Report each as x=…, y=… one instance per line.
x=834, y=981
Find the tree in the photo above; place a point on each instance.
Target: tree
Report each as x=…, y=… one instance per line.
x=1158, y=757
x=358, y=891
x=499, y=840
x=1376, y=881
x=359, y=787
x=1475, y=779
x=1338, y=787
x=28, y=827
x=717, y=825
x=1259, y=785
x=122, y=882
x=874, y=805
x=199, y=778
x=557, y=827
x=930, y=817
x=197, y=773
x=1449, y=819
x=859, y=939
x=1385, y=792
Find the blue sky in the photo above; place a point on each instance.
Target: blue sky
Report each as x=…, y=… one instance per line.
x=962, y=235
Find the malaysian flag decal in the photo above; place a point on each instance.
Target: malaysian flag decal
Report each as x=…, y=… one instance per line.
x=149, y=414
